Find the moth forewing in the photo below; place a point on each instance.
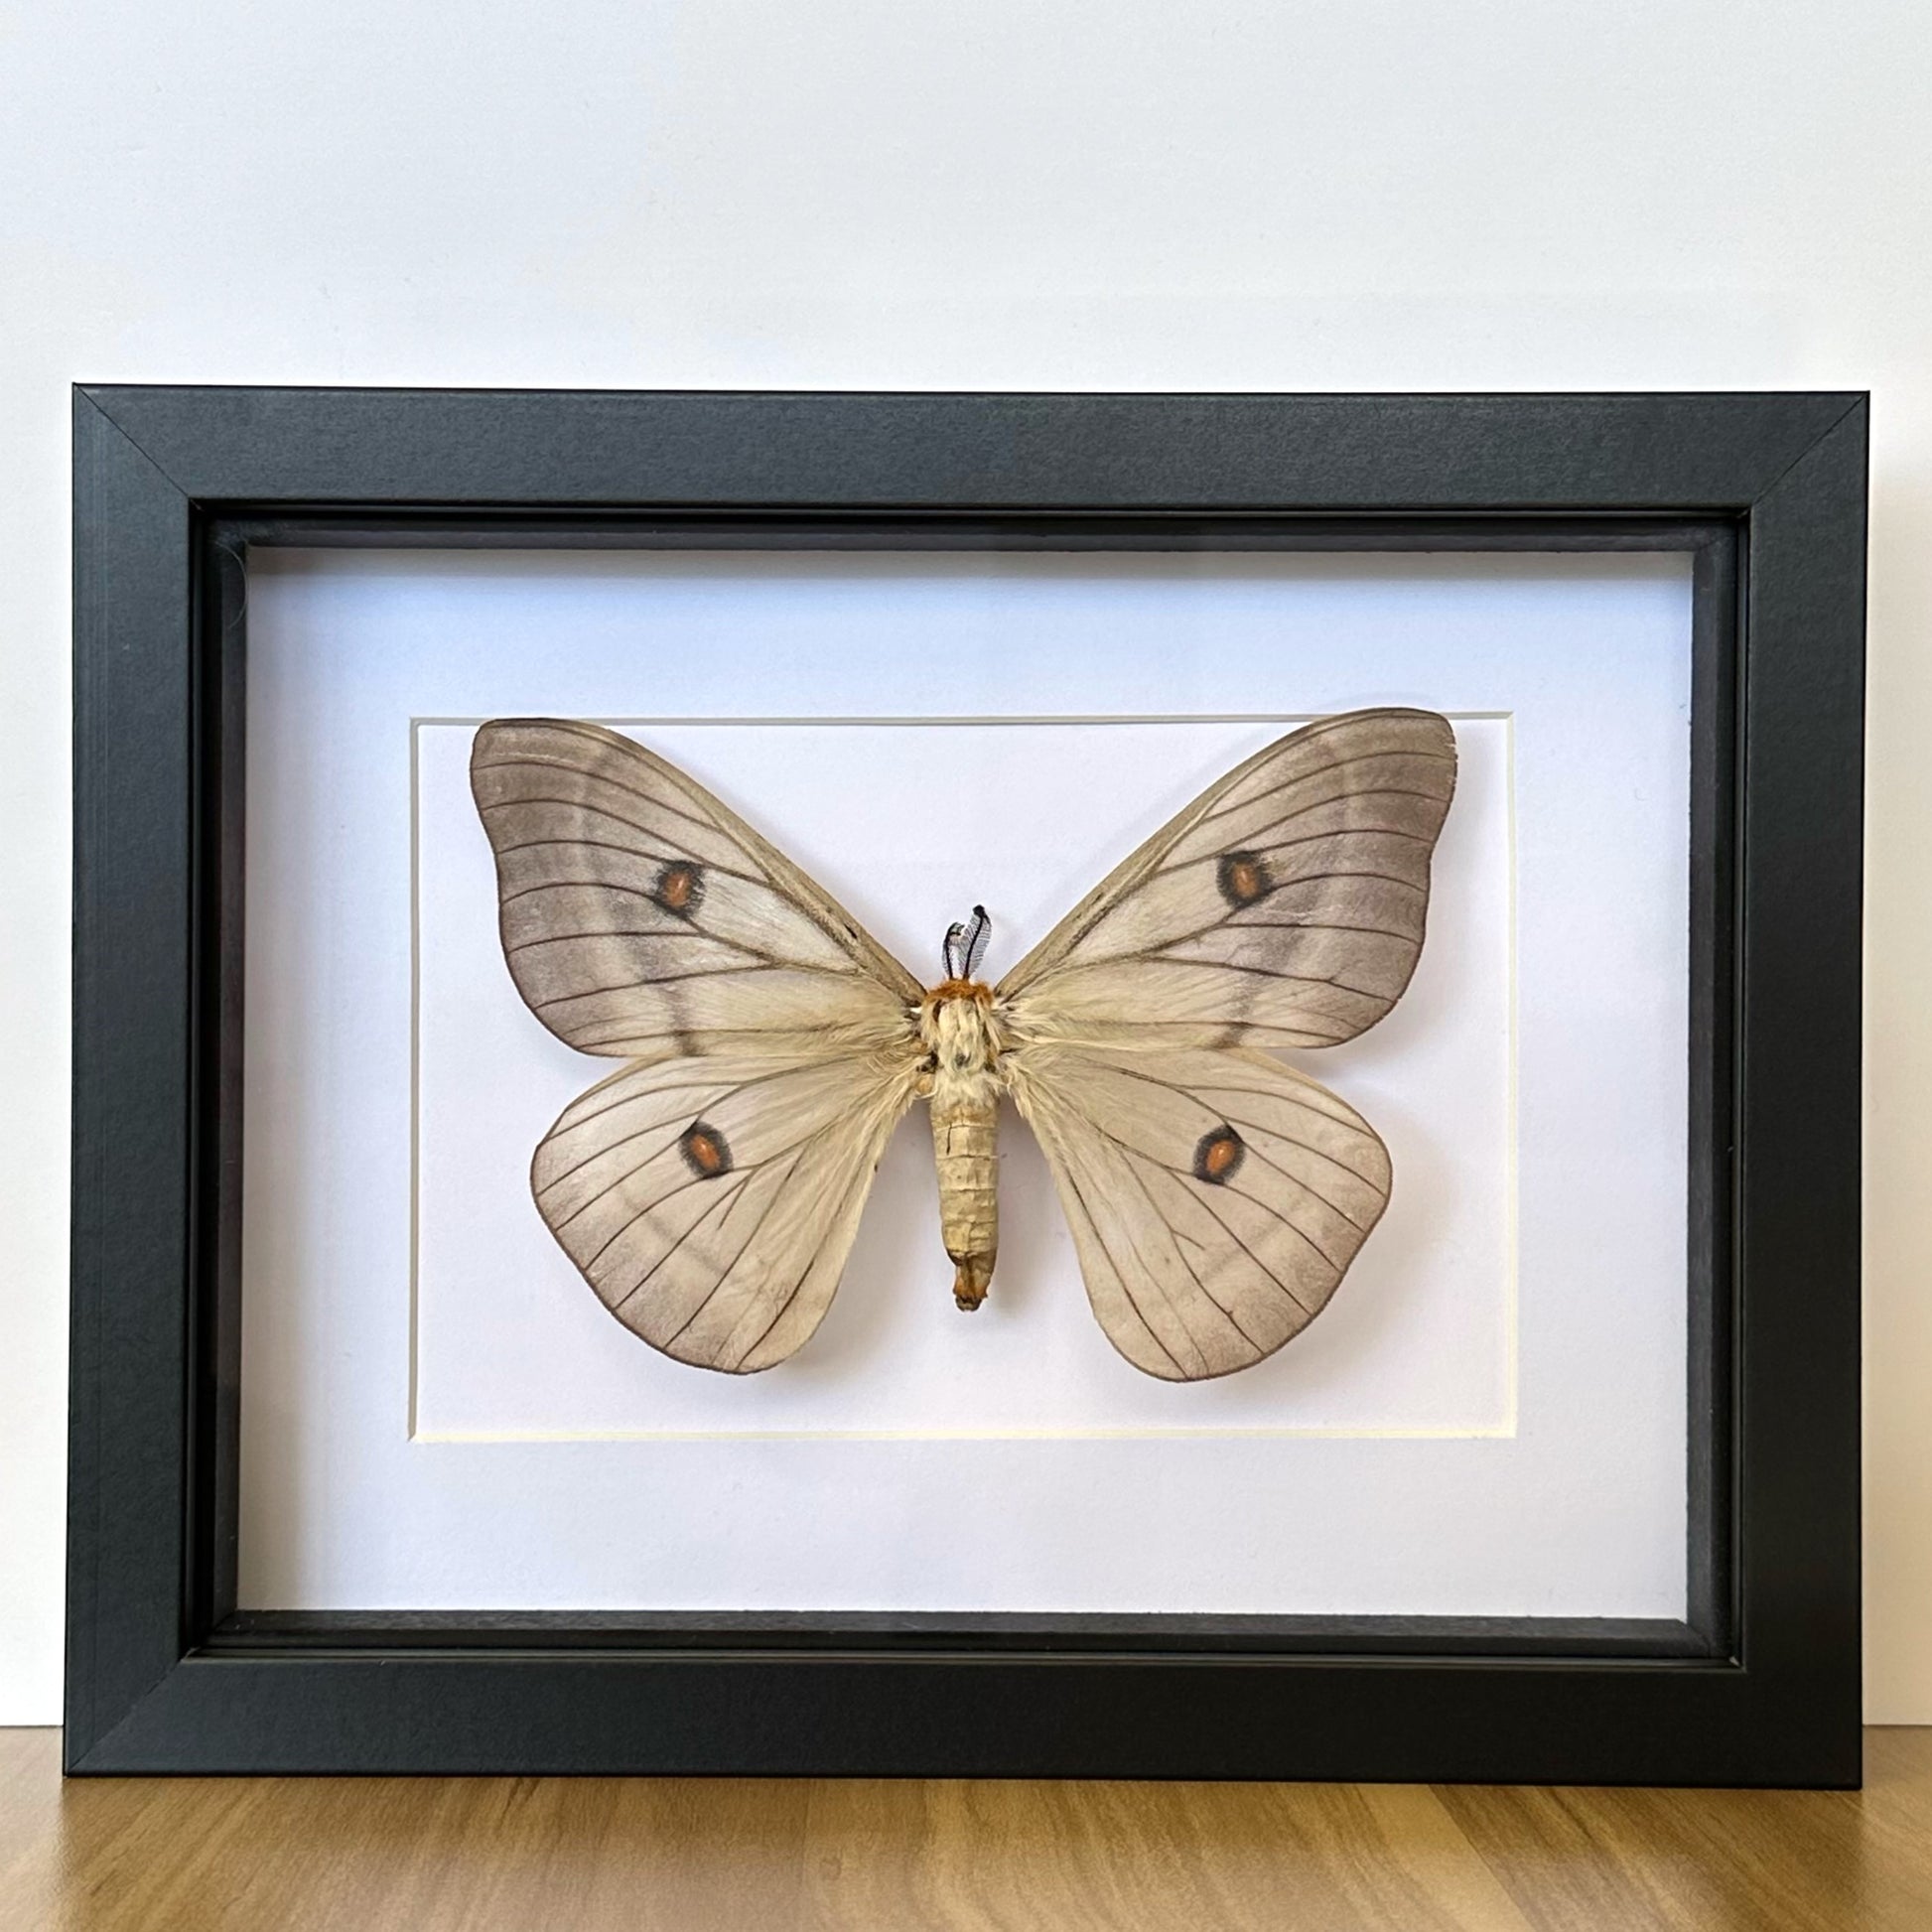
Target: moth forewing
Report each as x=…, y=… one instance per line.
x=1286, y=906
x=641, y=915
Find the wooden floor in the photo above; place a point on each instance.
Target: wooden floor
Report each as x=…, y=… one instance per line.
x=685, y=1855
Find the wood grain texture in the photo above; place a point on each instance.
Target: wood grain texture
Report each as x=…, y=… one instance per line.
x=312, y=1855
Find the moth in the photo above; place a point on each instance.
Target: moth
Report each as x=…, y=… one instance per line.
x=709, y=1189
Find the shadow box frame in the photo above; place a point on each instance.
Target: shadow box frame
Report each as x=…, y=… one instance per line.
x=1758, y=1684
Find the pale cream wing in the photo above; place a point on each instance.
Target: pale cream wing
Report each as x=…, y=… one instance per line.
x=711, y=1202
x=1284, y=907
x=640, y=916
x=1216, y=1197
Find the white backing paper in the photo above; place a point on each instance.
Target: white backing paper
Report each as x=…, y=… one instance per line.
x=1488, y=1417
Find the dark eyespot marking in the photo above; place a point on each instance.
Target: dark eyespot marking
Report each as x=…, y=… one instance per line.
x=705, y=1151
x=1218, y=1158
x=679, y=888
x=1243, y=877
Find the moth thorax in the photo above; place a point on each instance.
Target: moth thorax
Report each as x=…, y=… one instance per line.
x=958, y=1029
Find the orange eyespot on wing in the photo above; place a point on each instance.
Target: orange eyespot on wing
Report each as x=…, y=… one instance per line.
x=1218, y=1156
x=1243, y=877
x=705, y=1151
x=679, y=888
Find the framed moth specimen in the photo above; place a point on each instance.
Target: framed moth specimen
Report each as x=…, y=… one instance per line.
x=711, y=1187
x=1491, y=761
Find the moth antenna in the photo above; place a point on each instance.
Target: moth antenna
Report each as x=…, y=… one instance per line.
x=977, y=936
x=965, y=944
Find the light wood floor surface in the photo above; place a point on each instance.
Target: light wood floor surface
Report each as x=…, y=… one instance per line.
x=689, y=1856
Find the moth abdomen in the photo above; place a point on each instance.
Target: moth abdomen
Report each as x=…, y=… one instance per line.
x=962, y=1040
x=963, y=1146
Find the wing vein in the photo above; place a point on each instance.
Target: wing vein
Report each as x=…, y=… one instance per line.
x=1130, y=1160
x=1232, y=804
x=711, y=1294
x=721, y=1207
x=1312, y=838
x=678, y=979
x=601, y=778
x=629, y=852
x=1120, y=1274
x=680, y=1086
x=656, y=933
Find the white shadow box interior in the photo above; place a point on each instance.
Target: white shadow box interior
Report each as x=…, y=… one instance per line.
x=1487, y=1420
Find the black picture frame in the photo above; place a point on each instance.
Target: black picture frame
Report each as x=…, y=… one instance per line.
x=1758, y=1684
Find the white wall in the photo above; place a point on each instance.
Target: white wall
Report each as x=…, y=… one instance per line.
x=1016, y=193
